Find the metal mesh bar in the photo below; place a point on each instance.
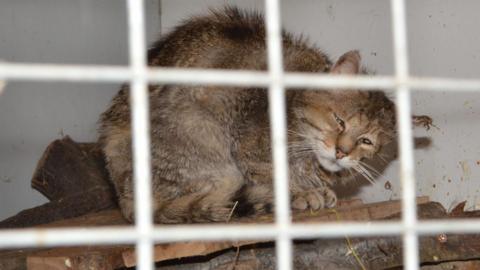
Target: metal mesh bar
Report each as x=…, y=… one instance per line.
x=16, y=238
x=409, y=210
x=140, y=135
x=278, y=129
x=96, y=73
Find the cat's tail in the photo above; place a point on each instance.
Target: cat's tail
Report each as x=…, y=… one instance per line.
x=253, y=200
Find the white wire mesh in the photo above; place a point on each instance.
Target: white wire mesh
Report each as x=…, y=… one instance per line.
x=143, y=234
x=140, y=135
x=404, y=116
x=16, y=238
x=97, y=73
x=278, y=123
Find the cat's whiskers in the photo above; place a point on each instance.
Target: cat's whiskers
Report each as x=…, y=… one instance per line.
x=382, y=157
x=371, y=169
x=354, y=177
x=368, y=171
x=298, y=134
x=366, y=174
x=300, y=146
x=302, y=152
x=356, y=169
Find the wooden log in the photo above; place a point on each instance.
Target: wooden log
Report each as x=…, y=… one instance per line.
x=96, y=199
x=469, y=265
x=67, y=168
x=73, y=176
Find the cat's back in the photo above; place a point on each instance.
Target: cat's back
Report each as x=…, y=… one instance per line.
x=227, y=38
x=231, y=38
x=224, y=39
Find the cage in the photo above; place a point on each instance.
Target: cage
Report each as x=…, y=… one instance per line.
x=63, y=61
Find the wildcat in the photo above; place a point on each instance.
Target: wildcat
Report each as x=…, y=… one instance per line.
x=211, y=144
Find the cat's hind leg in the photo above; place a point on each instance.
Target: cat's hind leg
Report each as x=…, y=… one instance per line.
x=212, y=201
x=177, y=210
x=218, y=204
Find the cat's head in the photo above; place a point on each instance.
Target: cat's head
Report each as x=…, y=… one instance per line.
x=343, y=128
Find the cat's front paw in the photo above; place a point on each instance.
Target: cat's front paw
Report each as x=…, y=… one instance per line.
x=312, y=199
x=315, y=199
x=330, y=198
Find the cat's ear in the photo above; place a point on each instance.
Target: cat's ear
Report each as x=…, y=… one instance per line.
x=347, y=64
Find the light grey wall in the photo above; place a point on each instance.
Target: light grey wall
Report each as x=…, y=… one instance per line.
x=443, y=42
x=32, y=114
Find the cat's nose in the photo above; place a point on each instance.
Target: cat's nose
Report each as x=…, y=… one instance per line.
x=339, y=154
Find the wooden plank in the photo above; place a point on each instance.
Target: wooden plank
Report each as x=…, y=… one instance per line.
x=114, y=217
x=110, y=217
x=16, y=263
x=456, y=247
x=184, y=249
x=358, y=212
x=374, y=211
x=375, y=253
x=350, y=203
x=50, y=263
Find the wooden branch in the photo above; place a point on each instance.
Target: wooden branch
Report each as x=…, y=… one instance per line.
x=67, y=168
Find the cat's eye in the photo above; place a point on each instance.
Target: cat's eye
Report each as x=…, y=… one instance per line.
x=339, y=121
x=366, y=141
x=310, y=124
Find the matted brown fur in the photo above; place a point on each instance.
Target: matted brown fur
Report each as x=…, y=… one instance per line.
x=211, y=145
